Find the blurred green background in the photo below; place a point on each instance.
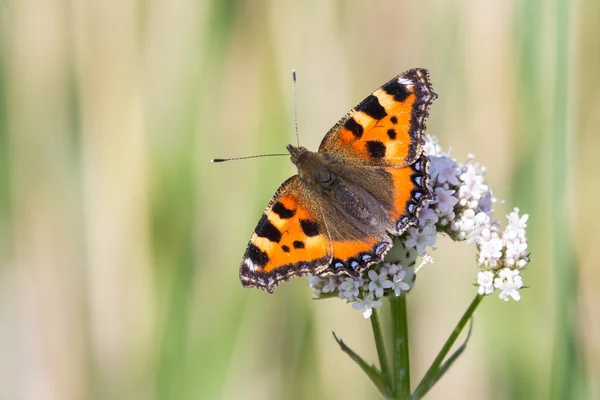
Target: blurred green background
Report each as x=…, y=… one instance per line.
x=120, y=242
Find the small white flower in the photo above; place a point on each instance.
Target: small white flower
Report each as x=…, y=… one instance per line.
x=522, y=263
x=331, y=286
x=466, y=222
x=392, y=269
x=473, y=185
x=379, y=282
x=490, y=252
x=367, y=305
x=485, y=280
x=444, y=200
x=443, y=169
x=314, y=280
x=350, y=288
x=432, y=146
x=419, y=238
x=486, y=202
x=515, y=221
x=515, y=240
x=427, y=215
x=399, y=285
x=316, y=284
x=478, y=227
x=509, y=281
x=447, y=219
x=516, y=251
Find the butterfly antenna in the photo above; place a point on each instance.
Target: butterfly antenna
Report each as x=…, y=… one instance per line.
x=295, y=107
x=245, y=158
x=272, y=155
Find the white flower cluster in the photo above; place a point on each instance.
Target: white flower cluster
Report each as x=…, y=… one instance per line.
x=503, y=256
x=365, y=292
x=461, y=209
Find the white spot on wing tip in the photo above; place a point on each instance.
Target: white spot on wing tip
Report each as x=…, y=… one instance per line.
x=250, y=264
x=405, y=82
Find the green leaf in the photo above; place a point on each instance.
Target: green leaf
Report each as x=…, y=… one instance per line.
x=373, y=373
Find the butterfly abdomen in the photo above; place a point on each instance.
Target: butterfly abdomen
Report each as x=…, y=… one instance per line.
x=353, y=205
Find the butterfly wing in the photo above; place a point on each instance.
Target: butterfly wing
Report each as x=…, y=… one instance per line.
x=386, y=128
x=291, y=239
x=298, y=234
x=400, y=192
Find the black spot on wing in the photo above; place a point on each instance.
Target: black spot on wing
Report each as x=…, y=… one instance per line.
x=298, y=244
x=354, y=127
x=256, y=255
x=283, y=212
x=310, y=228
x=285, y=248
x=376, y=149
x=267, y=230
x=391, y=133
x=399, y=91
x=394, y=119
x=372, y=108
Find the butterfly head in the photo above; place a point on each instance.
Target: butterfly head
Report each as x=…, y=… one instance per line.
x=313, y=168
x=299, y=154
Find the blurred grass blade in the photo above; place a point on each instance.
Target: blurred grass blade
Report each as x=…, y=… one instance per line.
x=568, y=365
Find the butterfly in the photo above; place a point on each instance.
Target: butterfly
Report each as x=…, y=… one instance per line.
x=366, y=183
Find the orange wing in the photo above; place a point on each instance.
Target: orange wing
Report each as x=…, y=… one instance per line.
x=386, y=128
x=290, y=240
x=410, y=193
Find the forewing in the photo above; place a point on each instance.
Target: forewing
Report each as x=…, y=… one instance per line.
x=386, y=128
x=290, y=239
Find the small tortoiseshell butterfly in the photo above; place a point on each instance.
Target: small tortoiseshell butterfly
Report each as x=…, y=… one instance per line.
x=367, y=181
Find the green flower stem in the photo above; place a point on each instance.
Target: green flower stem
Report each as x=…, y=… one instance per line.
x=436, y=369
x=400, y=346
x=397, y=386
x=380, y=344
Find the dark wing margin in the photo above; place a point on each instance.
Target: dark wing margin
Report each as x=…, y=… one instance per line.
x=406, y=212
